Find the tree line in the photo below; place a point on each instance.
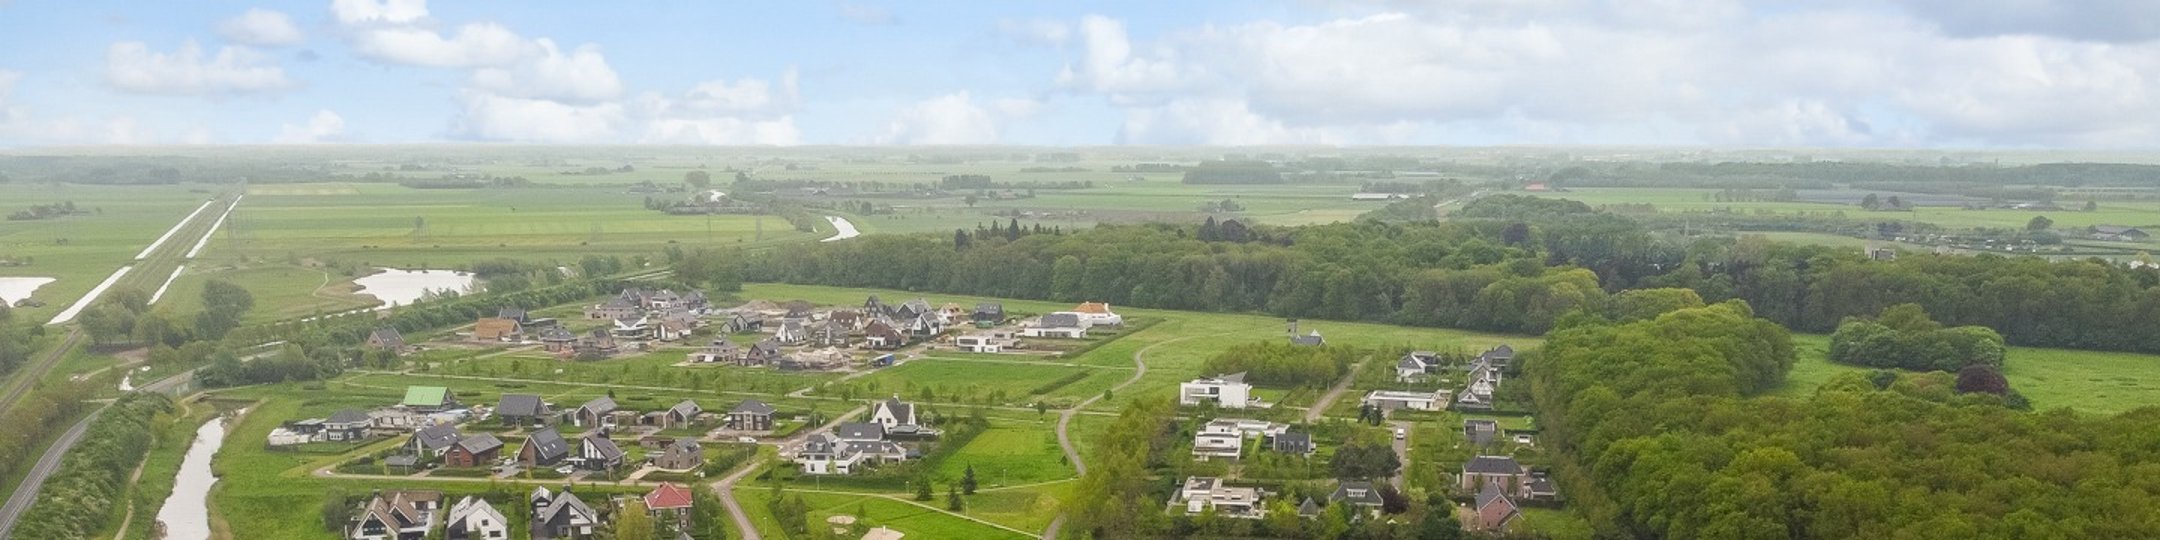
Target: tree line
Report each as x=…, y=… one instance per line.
x=1506, y=264
x=1664, y=430
x=1282, y=365
x=1905, y=338
x=79, y=499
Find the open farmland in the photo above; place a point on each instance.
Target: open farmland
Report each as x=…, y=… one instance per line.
x=2130, y=212
x=80, y=250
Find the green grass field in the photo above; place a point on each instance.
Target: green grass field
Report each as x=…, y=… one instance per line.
x=2091, y=382
x=81, y=250
x=969, y=381
x=2111, y=212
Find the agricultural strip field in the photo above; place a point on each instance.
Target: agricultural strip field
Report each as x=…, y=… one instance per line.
x=79, y=251
x=2111, y=212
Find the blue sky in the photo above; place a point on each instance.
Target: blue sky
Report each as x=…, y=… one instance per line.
x=1927, y=73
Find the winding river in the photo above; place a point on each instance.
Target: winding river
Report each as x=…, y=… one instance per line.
x=186, y=513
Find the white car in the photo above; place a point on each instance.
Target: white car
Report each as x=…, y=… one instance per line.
x=564, y=469
x=746, y=439
x=1401, y=434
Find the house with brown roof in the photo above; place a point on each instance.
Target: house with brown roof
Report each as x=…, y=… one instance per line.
x=497, y=329
x=880, y=334
x=1492, y=510
x=1098, y=314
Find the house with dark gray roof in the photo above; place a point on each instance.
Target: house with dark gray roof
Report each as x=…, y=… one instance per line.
x=346, y=425
x=988, y=313
x=1356, y=492
x=765, y=352
x=1292, y=442
x=597, y=452
x=476, y=451
x=1310, y=339
x=543, y=448
x=860, y=431
x=684, y=454
x=434, y=440
x=521, y=409
x=1063, y=324
x=594, y=413
x=1502, y=470
x=751, y=415
x=561, y=515
x=386, y=338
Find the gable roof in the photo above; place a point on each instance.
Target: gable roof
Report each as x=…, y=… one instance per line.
x=1358, y=492
x=752, y=406
x=549, y=444
x=437, y=436
x=1492, y=465
x=1308, y=508
x=1490, y=494
x=473, y=507
x=511, y=312
x=900, y=410
x=562, y=505
x=495, y=326
x=1410, y=362
x=388, y=335
x=599, y=405
x=602, y=448
x=769, y=345
x=431, y=396
x=1061, y=320
x=667, y=497
x=860, y=430
x=480, y=443
x=686, y=408
x=347, y=416
x=519, y=405
x=1097, y=308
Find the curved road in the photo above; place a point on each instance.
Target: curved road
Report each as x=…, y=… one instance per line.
x=26, y=492
x=845, y=228
x=726, y=486
x=1065, y=417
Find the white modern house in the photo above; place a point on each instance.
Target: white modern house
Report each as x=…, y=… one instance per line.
x=1063, y=324
x=1417, y=401
x=1226, y=391
x=1209, y=445
x=1201, y=493
x=472, y=518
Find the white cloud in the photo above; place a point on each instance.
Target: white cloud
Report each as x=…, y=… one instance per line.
x=324, y=126
x=748, y=96
x=949, y=119
x=867, y=14
x=1718, y=71
x=582, y=76
x=131, y=66
x=385, y=11
x=1042, y=32
x=500, y=118
x=261, y=27
x=473, y=45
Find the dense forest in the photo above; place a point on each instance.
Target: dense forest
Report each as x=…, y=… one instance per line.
x=1904, y=337
x=1660, y=438
x=1508, y=264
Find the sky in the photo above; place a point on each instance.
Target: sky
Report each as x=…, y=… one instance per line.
x=1721, y=73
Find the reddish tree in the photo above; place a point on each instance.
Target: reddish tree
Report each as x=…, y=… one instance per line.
x=1982, y=378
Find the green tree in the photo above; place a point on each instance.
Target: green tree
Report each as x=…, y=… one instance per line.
x=967, y=480
x=2039, y=223
x=953, y=501
x=922, y=489
x=698, y=180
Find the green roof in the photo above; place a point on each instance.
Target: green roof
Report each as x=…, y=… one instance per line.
x=427, y=396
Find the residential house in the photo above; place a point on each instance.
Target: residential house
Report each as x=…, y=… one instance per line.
x=982, y=343
x=683, y=414
x=911, y=309
x=848, y=319
x=1881, y=254
x=1063, y=324
x=925, y=325
x=1292, y=442
x=558, y=340
x=952, y=312
x=1540, y=488
x=873, y=306
x=1413, y=367
x=1483, y=380
x=1498, y=357
x=1201, y=493
x=751, y=415
x=1481, y=433
x=395, y=515
x=988, y=314
x=1388, y=400
x=1245, y=427
x=1310, y=339
x=674, y=326
x=663, y=299
x=684, y=454
x=744, y=322
x=617, y=308
x=521, y=409
x=1357, y=493
x=597, y=452
x=543, y=448
x=2118, y=233
x=846, y=449
x=1492, y=510
x=765, y=352
x=297, y=432
x=829, y=334
x=386, y=339
x=792, y=332
x=721, y=350
x=346, y=425
x=670, y=504
x=497, y=329
x=477, y=450
x=1098, y=314
x=640, y=327
x=800, y=310
x=694, y=301
x=880, y=334
x=561, y=515
x=599, y=342
x=514, y=313
x=472, y=518
x=1214, y=444
x=428, y=399
x=1308, y=509
x=1226, y=391
x=892, y=413
x=432, y=441
x=1501, y=470
x=594, y=414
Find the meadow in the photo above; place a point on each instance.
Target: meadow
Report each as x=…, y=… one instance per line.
x=79, y=251
x=2090, y=382
x=2129, y=212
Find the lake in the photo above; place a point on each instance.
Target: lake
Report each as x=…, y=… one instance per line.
x=17, y=288
x=186, y=513
x=400, y=287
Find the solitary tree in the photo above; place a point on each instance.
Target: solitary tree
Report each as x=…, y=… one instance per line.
x=953, y=501
x=697, y=179
x=967, y=480
x=2039, y=223
x=922, y=489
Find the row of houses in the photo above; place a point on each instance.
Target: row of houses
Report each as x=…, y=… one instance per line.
x=1224, y=438
x=1483, y=375
x=887, y=437
x=1200, y=494
x=413, y=514
x=603, y=412
x=422, y=406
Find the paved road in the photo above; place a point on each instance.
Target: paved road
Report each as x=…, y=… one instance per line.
x=1319, y=408
x=1402, y=454
x=726, y=486
x=1064, y=423
x=26, y=492
x=27, y=376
